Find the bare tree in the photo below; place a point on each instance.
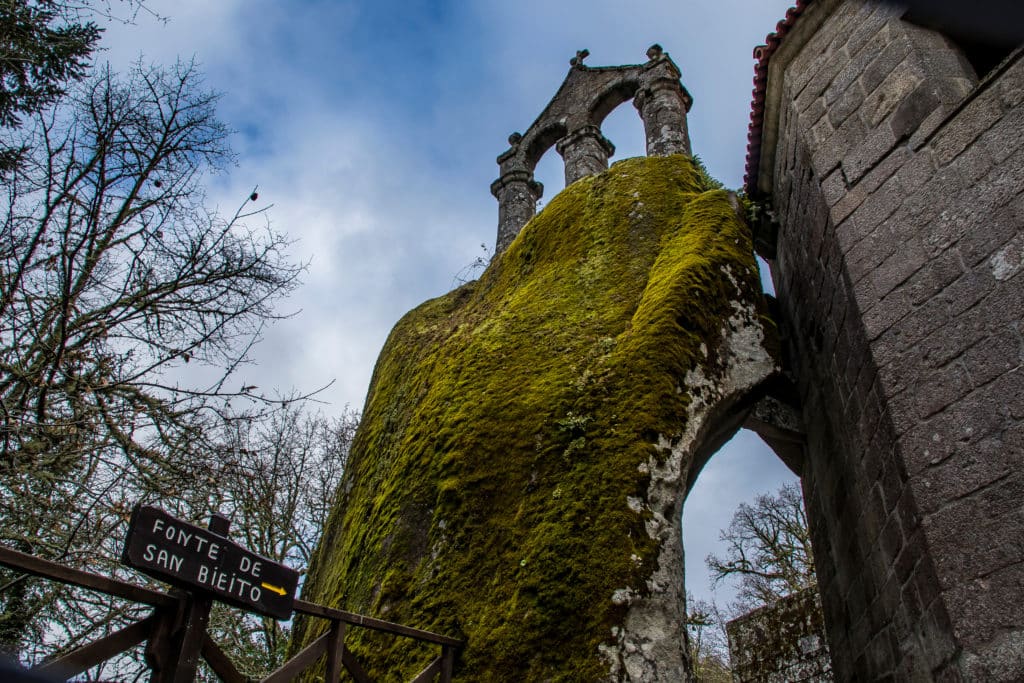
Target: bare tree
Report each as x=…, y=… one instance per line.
x=278, y=481
x=707, y=642
x=116, y=284
x=769, y=549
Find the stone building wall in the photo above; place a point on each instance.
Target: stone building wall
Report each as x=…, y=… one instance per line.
x=897, y=180
x=781, y=643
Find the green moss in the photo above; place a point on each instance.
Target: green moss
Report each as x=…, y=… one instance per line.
x=486, y=490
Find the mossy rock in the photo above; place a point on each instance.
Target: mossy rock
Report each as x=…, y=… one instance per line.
x=507, y=483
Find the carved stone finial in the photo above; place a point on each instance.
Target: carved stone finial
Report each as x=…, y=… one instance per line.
x=580, y=56
x=654, y=52
x=515, y=139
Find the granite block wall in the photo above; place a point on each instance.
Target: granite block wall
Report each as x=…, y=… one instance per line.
x=897, y=180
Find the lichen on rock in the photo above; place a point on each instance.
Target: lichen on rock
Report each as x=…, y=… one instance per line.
x=518, y=476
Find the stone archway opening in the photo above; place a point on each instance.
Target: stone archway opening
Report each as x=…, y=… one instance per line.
x=550, y=173
x=739, y=471
x=624, y=127
x=737, y=466
x=743, y=468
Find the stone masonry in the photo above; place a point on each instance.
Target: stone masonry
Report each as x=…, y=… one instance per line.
x=572, y=123
x=783, y=642
x=896, y=175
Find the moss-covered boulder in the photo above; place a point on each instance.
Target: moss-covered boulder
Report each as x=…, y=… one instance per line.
x=518, y=475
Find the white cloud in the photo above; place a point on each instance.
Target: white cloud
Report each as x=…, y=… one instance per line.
x=373, y=128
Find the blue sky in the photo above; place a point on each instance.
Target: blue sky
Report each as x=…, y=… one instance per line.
x=372, y=127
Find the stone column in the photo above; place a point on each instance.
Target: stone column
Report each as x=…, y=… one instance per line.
x=585, y=152
x=517, y=194
x=663, y=103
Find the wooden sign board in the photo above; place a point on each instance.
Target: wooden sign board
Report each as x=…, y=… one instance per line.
x=195, y=558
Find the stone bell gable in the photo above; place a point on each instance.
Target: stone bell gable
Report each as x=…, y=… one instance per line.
x=571, y=123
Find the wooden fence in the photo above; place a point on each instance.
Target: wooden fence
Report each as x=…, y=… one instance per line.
x=175, y=634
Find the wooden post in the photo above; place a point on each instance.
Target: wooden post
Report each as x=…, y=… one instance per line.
x=447, y=663
x=174, y=652
x=160, y=649
x=197, y=615
x=335, y=651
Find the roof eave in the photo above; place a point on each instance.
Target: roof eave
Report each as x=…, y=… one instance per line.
x=779, y=49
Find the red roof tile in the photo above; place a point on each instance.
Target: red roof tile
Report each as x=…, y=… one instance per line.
x=762, y=53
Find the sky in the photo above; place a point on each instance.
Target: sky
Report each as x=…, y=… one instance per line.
x=371, y=128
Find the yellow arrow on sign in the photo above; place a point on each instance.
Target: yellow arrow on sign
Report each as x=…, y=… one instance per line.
x=276, y=589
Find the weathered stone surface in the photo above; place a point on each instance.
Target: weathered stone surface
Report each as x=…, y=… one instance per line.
x=585, y=152
x=517, y=194
x=899, y=280
x=528, y=439
x=784, y=641
x=572, y=121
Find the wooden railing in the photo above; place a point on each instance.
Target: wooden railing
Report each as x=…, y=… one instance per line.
x=175, y=634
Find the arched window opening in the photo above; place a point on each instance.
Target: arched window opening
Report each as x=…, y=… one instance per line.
x=742, y=469
x=624, y=127
x=550, y=172
x=622, y=124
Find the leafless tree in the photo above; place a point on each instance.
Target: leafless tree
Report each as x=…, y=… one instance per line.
x=278, y=481
x=769, y=549
x=127, y=309
x=707, y=641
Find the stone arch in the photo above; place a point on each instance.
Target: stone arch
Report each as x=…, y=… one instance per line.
x=795, y=635
x=770, y=411
x=651, y=644
x=617, y=93
x=541, y=141
x=765, y=407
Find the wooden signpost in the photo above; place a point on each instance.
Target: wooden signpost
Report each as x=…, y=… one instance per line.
x=199, y=559
x=207, y=566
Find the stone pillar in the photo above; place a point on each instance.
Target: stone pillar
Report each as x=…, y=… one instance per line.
x=585, y=152
x=517, y=194
x=663, y=103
